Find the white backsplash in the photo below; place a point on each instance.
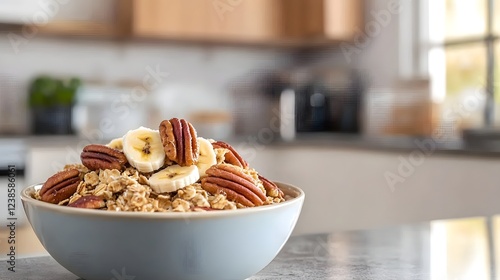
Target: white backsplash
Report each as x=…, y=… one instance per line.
x=11, y=103
x=197, y=75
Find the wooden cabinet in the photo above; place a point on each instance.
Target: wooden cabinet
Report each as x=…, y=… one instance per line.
x=207, y=20
x=85, y=18
x=271, y=22
x=255, y=21
x=168, y=19
x=343, y=19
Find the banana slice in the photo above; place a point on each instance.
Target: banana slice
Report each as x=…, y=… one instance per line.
x=143, y=149
x=173, y=178
x=207, y=156
x=116, y=143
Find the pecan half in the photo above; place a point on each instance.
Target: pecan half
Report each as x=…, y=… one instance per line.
x=235, y=183
x=60, y=186
x=179, y=141
x=231, y=156
x=271, y=188
x=96, y=157
x=88, y=201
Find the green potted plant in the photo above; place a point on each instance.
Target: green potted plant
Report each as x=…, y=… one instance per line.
x=51, y=101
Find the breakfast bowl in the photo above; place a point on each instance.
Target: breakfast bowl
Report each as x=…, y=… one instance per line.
x=98, y=244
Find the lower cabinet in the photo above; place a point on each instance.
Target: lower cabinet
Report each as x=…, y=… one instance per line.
x=361, y=188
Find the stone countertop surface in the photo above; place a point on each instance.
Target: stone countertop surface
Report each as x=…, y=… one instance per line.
x=400, y=252
x=427, y=145
x=443, y=250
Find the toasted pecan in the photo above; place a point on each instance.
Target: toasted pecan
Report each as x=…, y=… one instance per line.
x=168, y=139
x=96, y=157
x=271, y=188
x=178, y=137
x=60, y=186
x=231, y=156
x=235, y=183
x=230, y=194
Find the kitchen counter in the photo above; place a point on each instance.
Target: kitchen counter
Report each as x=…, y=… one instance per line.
x=441, y=250
x=323, y=140
x=427, y=145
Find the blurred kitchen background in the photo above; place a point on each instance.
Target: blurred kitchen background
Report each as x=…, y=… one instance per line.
x=383, y=111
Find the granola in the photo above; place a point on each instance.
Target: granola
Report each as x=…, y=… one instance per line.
x=128, y=191
x=196, y=175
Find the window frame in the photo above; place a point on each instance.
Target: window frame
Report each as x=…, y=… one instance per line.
x=422, y=48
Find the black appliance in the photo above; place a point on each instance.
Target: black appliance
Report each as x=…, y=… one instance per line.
x=329, y=102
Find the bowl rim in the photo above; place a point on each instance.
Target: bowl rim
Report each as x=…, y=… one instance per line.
x=287, y=188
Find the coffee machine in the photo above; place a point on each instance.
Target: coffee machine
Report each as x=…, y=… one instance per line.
x=329, y=101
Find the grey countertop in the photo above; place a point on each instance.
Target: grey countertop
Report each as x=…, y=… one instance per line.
x=399, y=253
x=394, y=144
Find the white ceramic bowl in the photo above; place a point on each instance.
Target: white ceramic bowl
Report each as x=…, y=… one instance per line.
x=233, y=244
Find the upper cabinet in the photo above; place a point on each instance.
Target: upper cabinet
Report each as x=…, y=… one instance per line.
x=255, y=21
x=271, y=22
x=109, y=18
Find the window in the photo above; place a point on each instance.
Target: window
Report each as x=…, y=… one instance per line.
x=458, y=45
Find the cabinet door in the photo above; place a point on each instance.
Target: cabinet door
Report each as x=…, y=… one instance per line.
x=247, y=21
x=170, y=19
x=86, y=17
x=342, y=19
x=254, y=21
x=317, y=21
x=217, y=20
